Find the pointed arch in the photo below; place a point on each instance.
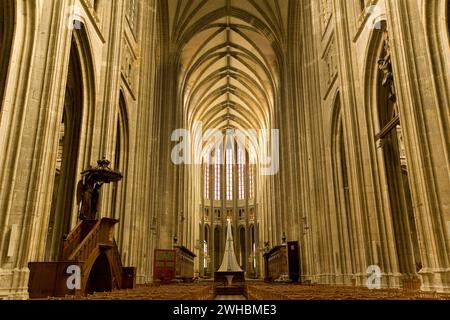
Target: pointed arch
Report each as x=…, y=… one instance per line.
x=120, y=163
x=341, y=187
x=76, y=137
x=217, y=247
x=253, y=245
x=392, y=190
x=242, y=248
x=206, y=248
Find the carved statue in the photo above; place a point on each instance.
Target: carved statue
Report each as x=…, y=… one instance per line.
x=88, y=188
x=88, y=192
x=385, y=65
x=266, y=247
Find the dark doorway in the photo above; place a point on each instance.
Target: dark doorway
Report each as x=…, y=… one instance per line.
x=217, y=251
x=100, y=278
x=242, y=250
x=294, y=260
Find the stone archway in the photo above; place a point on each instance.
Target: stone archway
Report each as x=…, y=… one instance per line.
x=120, y=163
x=206, y=250
x=394, y=155
x=66, y=165
x=217, y=248
x=242, y=248
x=344, y=250
x=75, y=141
x=399, y=253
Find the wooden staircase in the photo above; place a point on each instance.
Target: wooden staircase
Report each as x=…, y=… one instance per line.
x=92, y=248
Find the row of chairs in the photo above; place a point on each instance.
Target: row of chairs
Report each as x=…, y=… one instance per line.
x=262, y=291
x=326, y=292
x=153, y=292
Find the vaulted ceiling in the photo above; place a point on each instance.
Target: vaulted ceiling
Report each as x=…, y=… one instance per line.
x=229, y=54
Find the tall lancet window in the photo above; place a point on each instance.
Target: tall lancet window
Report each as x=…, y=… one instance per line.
x=229, y=171
x=206, y=181
x=241, y=173
x=251, y=179
x=217, y=167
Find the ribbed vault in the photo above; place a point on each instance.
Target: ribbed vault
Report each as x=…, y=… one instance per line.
x=228, y=57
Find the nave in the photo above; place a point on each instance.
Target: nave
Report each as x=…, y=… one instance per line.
x=132, y=128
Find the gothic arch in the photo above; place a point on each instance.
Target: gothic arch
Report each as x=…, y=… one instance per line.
x=206, y=253
x=341, y=186
x=253, y=247
x=370, y=85
x=217, y=247
x=242, y=247
x=381, y=206
x=68, y=149
x=371, y=72
x=84, y=47
x=207, y=234
x=120, y=162
x=393, y=196
x=76, y=128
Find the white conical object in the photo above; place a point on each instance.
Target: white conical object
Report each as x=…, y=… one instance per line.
x=229, y=262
